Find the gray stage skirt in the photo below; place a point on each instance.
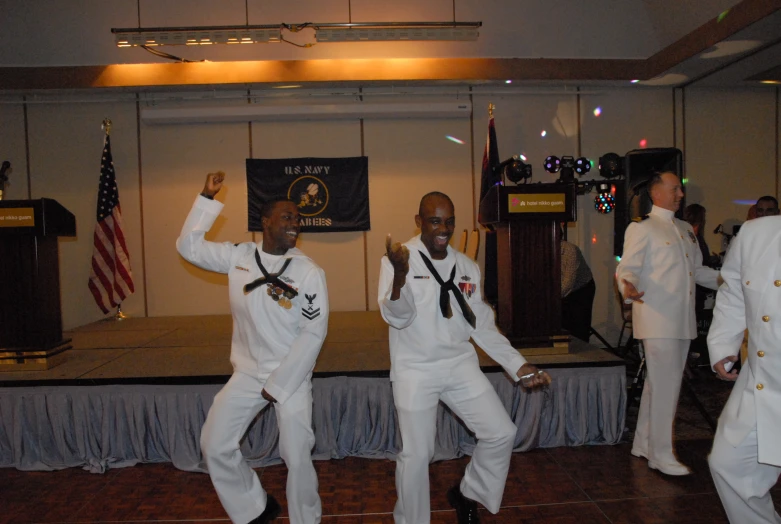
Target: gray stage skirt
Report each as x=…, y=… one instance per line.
x=112, y=426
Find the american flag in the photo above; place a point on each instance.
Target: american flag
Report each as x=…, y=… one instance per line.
x=490, y=173
x=490, y=177
x=110, y=280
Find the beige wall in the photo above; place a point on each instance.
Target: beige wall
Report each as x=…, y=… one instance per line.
x=730, y=150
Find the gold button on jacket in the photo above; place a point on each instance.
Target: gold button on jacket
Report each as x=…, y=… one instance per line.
x=760, y=353
x=777, y=283
x=760, y=387
x=766, y=319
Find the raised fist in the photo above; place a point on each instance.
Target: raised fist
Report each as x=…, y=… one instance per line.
x=213, y=183
x=398, y=255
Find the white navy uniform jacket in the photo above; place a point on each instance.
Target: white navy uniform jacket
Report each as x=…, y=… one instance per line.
x=662, y=258
x=750, y=297
x=423, y=343
x=275, y=344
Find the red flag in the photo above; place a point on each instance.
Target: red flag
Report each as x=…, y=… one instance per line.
x=110, y=280
x=490, y=173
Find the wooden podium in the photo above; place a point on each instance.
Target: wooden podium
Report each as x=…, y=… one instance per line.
x=30, y=312
x=526, y=219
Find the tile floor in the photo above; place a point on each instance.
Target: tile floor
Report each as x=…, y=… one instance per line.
x=599, y=484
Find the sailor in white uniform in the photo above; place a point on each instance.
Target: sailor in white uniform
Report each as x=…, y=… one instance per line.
x=429, y=295
x=659, y=269
x=279, y=304
x=746, y=458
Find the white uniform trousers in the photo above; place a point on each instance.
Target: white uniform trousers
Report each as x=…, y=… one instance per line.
x=742, y=482
x=237, y=485
x=467, y=392
x=665, y=359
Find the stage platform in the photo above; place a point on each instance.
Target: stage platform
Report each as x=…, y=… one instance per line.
x=137, y=390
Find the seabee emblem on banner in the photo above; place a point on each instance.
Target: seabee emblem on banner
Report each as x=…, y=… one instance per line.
x=310, y=195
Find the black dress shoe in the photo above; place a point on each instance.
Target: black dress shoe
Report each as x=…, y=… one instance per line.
x=466, y=509
x=270, y=513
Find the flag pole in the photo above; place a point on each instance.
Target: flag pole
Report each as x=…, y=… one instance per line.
x=106, y=127
x=491, y=108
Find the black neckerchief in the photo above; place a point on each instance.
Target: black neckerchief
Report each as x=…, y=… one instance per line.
x=270, y=278
x=444, y=295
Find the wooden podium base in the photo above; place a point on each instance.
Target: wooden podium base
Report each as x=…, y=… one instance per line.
x=33, y=359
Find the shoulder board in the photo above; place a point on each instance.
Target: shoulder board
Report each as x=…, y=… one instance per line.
x=640, y=219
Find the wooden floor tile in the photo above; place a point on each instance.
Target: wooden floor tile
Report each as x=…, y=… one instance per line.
x=150, y=492
x=688, y=509
x=576, y=513
x=611, y=472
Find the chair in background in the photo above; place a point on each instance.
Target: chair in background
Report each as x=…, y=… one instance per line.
x=473, y=246
x=462, y=242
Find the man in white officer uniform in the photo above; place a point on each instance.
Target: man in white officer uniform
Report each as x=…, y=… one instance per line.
x=746, y=458
x=658, y=271
x=279, y=304
x=428, y=294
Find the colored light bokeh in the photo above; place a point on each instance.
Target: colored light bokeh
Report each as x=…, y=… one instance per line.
x=643, y=143
x=597, y=111
x=454, y=139
x=543, y=133
x=604, y=203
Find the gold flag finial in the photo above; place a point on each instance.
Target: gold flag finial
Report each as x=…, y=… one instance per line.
x=491, y=108
x=106, y=126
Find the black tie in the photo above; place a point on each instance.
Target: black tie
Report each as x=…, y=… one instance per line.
x=271, y=278
x=444, y=295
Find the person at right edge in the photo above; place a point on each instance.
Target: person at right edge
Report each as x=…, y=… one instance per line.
x=657, y=274
x=746, y=457
x=429, y=295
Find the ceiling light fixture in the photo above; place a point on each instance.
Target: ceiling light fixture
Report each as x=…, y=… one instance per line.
x=330, y=32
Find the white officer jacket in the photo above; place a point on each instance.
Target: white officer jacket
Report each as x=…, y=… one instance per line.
x=750, y=297
x=662, y=258
x=271, y=341
x=425, y=344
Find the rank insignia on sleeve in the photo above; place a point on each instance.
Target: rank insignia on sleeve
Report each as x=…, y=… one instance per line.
x=467, y=289
x=310, y=311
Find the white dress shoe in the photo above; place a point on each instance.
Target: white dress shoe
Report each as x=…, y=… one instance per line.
x=670, y=468
x=639, y=454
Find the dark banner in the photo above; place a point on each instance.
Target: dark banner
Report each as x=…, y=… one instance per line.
x=332, y=194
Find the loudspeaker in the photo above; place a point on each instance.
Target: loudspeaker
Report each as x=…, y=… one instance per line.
x=634, y=201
